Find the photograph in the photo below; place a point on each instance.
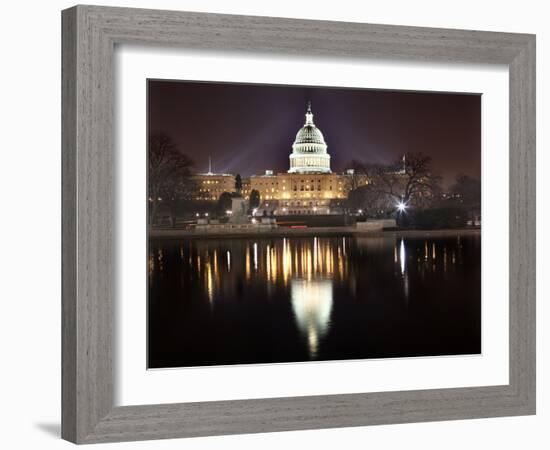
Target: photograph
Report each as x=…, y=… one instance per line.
x=275, y=225
x=301, y=223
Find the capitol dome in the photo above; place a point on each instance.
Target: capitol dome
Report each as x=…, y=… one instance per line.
x=309, y=134
x=309, y=151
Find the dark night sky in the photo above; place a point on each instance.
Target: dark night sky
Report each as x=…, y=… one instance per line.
x=250, y=128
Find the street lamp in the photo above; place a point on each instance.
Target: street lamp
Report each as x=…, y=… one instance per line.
x=401, y=207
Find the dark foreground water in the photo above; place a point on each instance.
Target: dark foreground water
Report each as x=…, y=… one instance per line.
x=243, y=301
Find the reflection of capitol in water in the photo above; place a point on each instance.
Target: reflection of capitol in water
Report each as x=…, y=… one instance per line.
x=303, y=259
x=308, y=269
x=274, y=261
x=312, y=305
x=307, y=298
x=220, y=267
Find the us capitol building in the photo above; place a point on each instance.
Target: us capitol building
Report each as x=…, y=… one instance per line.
x=309, y=186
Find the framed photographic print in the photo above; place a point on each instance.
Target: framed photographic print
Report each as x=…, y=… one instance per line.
x=267, y=230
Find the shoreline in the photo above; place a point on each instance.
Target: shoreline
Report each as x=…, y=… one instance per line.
x=170, y=234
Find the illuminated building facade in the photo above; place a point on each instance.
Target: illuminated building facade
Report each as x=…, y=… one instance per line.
x=211, y=185
x=309, y=186
x=245, y=191
x=300, y=193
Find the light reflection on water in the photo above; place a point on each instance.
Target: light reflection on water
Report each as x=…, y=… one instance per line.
x=312, y=306
x=402, y=256
x=325, y=289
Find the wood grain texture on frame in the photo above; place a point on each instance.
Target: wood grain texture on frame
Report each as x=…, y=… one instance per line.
x=90, y=34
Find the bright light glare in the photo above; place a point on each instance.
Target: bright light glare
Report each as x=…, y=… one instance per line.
x=401, y=206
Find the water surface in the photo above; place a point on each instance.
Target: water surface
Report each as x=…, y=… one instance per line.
x=243, y=301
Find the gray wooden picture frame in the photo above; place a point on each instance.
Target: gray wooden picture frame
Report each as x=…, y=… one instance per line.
x=90, y=34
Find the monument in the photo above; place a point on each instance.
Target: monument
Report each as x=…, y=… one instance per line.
x=238, y=211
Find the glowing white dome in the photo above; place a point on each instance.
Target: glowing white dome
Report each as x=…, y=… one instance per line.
x=309, y=151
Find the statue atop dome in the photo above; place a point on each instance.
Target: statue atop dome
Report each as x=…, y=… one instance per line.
x=309, y=114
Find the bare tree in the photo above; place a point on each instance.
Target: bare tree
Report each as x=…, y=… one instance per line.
x=254, y=198
x=355, y=177
x=409, y=180
x=370, y=200
x=169, y=174
x=466, y=193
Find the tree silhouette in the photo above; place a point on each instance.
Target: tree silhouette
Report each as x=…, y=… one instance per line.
x=224, y=202
x=254, y=198
x=466, y=194
x=409, y=180
x=169, y=175
x=467, y=191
